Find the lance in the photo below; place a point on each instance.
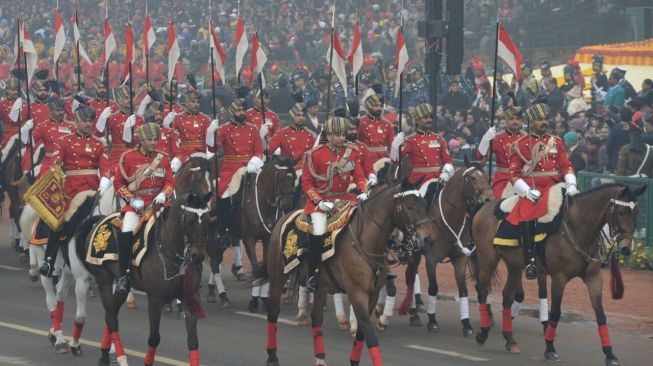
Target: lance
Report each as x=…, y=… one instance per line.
x=494, y=95
x=328, y=104
x=20, y=120
x=29, y=106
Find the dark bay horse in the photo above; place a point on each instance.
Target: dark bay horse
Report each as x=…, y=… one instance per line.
x=11, y=174
x=358, y=267
x=194, y=175
x=170, y=269
x=452, y=208
x=572, y=251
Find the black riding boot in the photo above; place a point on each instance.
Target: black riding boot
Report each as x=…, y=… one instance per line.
x=224, y=210
x=315, y=243
x=47, y=267
x=528, y=243
x=124, y=258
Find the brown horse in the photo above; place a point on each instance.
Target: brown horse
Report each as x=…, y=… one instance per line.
x=571, y=251
x=194, y=175
x=15, y=185
x=358, y=267
x=170, y=269
x=452, y=208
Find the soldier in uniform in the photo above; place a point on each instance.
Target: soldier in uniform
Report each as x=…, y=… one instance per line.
x=418, y=89
x=538, y=162
x=502, y=148
x=599, y=83
x=171, y=107
x=99, y=103
x=85, y=164
x=304, y=89
x=635, y=158
x=10, y=108
x=375, y=131
x=191, y=127
x=39, y=105
x=143, y=177
x=294, y=140
x=169, y=141
x=272, y=124
x=328, y=169
x=427, y=151
x=570, y=81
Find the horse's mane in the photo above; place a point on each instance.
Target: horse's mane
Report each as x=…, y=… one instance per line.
x=600, y=188
x=197, y=161
x=283, y=161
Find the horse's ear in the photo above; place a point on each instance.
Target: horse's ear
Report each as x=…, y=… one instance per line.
x=466, y=162
x=405, y=169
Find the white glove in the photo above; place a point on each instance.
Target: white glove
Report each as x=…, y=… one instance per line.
x=484, y=145
x=372, y=180
x=160, y=198
x=521, y=187
x=169, y=119
x=263, y=131
x=127, y=130
x=105, y=183
x=572, y=190
x=362, y=196
x=102, y=120
x=396, y=145
x=533, y=195
x=449, y=169
x=254, y=164
x=15, y=109
x=571, y=184
x=24, y=131
x=175, y=164
x=444, y=177
x=325, y=206
x=141, y=107
x=277, y=151
x=210, y=133
x=137, y=203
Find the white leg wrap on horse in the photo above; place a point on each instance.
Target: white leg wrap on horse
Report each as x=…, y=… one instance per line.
x=130, y=222
x=130, y=296
x=265, y=289
x=217, y=277
x=389, y=306
x=514, y=309
x=238, y=255
x=339, y=304
x=418, y=286
x=211, y=281
x=431, y=306
x=544, y=310
x=122, y=360
x=352, y=317
x=464, y=308
x=382, y=294
x=302, y=300
x=32, y=255
x=256, y=291
x=319, y=221
x=15, y=232
x=24, y=244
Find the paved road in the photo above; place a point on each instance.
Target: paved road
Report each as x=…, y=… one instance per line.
x=235, y=337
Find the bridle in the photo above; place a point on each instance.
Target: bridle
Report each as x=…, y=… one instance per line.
x=277, y=196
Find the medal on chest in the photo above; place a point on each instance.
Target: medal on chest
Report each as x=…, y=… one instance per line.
x=380, y=130
x=196, y=125
x=88, y=148
x=64, y=129
x=433, y=144
x=159, y=172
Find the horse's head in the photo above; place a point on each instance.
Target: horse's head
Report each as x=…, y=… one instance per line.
x=475, y=183
x=283, y=171
x=191, y=212
x=410, y=214
x=622, y=216
x=194, y=176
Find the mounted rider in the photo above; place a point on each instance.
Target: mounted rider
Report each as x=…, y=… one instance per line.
x=376, y=132
x=272, y=124
x=143, y=177
x=328, y=169
x=85, y=164
x=191, y=126
x=294, y=140
x=169, y=141
x=10, y=108
x=538, y=162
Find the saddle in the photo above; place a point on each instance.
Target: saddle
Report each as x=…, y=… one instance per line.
x=553, y=205
x=338, y=218
x=235, y=183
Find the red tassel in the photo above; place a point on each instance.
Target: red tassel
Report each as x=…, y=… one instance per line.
x=485, y=315
x=272, y=336
x=408, y=301
x=115, y=338
x=375, y=355
x=194, y=357
x=191, y=297
x=356, y=351
x=605, y=336
x=550, y=334
x=616, y=281
x=507, y=320
x=77, y=330
x=149, y=356
x=106, y=338
x=318, y=342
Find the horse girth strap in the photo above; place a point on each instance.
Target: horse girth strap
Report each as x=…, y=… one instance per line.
x=142, y=173
x=333, y=168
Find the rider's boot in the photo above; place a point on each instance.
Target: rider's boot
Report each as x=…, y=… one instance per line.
x=47, y=267
x=123, y=285
x=315, y=243
x=528, y=243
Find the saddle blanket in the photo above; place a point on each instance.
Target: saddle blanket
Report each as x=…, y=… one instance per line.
x=337, y=218
x=508, y=234
x=554, y=204
x=40, y=232
x=104, y=240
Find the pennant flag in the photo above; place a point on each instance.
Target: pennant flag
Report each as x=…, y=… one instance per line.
x=129, y=51
x=258, y=59
x=173, y=51
x=401, y=58
x=77, y=38
x=148, y=38
x=241, y=44
x=355, y=57
x=218, y=52
x=59, y=35
x=508, y=52
x=25, y=47
x=338, y=60
x=109, y=40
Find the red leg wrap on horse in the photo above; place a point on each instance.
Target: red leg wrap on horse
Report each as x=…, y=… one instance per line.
x=77, y=329
x=56, y=321
x=550, y=334
x=149, y=356
x=356, y=351
x=194, y=357
x=485, y=315
x=318, y=342
x=272, y=336
x=375, y=355
x=507, y=319
x=60, y=310
x=106, y=338
x=605, y=336
x=115, y=338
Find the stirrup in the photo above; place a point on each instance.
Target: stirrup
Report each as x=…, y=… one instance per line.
x=312, y=284
x=46, y=270
x=123, y=285
x=531, y=271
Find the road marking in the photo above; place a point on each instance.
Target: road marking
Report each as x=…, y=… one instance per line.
x=18, y=361
x=446, y=353
x=11, y=268
x=141, y=355
x=265, y=317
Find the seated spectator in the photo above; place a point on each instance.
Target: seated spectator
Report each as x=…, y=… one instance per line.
x=595, y=156
x=645, y=95
x=635, y=158
x=561, y=128
x=574, y=150
x=575, y=101
x=454, y=150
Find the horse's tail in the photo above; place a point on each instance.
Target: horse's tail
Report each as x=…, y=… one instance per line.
x=191, y=298
x=616, y=281
x=411, y=271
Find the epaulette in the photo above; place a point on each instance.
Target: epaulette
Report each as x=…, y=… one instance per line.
x=351, y=146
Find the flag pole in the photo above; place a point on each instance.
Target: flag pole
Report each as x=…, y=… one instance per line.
x=260, y=87
x=333, y=24
x=172, y=10
x=215, y=133
x=238, y=17
x=79, y=66
x=29, y=108
x=20, y=120
x=131, y=96
x=146, y=52
x=494, y=92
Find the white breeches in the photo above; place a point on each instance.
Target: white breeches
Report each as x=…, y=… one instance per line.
x=319, y=221
x=130, y=222
x=425, y=186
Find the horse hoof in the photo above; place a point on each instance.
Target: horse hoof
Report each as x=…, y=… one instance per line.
x=421, y=308
x=551, y=356
x=320, y=362
x=343, y=324
x=23, y=257
x=76, y=350
x=380, y=326
x=612, y=362
x=225, y=303
x=302, y=320
x=432, y=327
x=272, y=363
x=33, y=275
x=415, y=321
x=253, y=306
x=104, y=362
x=52, y=339
x=353, y=331
x=61, y=348
x=468, y=332
x=378, y=312
x=481, y=338
x=210, y=298
x=513, y=348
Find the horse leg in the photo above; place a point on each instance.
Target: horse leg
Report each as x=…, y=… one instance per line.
x=594, y=284
x=154, y=308
x=302, y=307
x=317, y=318
x=106, y=296
x=61, y=291
x=388, y=306
x=558, y=284
x=54, y=332
x=415, y=308
x=514, y=278
x=193, y=343
x=487, y=266
x=274, y=302
x=542, y=295
x=362, y=304
x=431, y=268
x=81, y=290
x=112, y=305
x=216, y=269
x=339, y=304
x=460, y=266
x=357, y=348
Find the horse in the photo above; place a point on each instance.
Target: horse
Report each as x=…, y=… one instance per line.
x=194, y=175
x=15, y=184
x=171, y=268
x=452, y=209
x=570, y=251
x=358, y=267
x=265, y=197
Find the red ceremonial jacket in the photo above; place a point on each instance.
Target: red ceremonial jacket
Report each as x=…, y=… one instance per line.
x=377, y=134
x=40, y=112
x=502, y=149
x=253, y=116
x=10, y=127
x=48, y=134
x=83, y=160
x=293, y=142
x=365, y=158
x=428, y=154
x=192, y=133
x=115, y=124
x=240, y=142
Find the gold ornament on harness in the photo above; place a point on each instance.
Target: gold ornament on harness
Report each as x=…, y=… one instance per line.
x=291, y=244
x=101, y=240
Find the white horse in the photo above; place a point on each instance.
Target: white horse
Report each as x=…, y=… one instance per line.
x=55, y=295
